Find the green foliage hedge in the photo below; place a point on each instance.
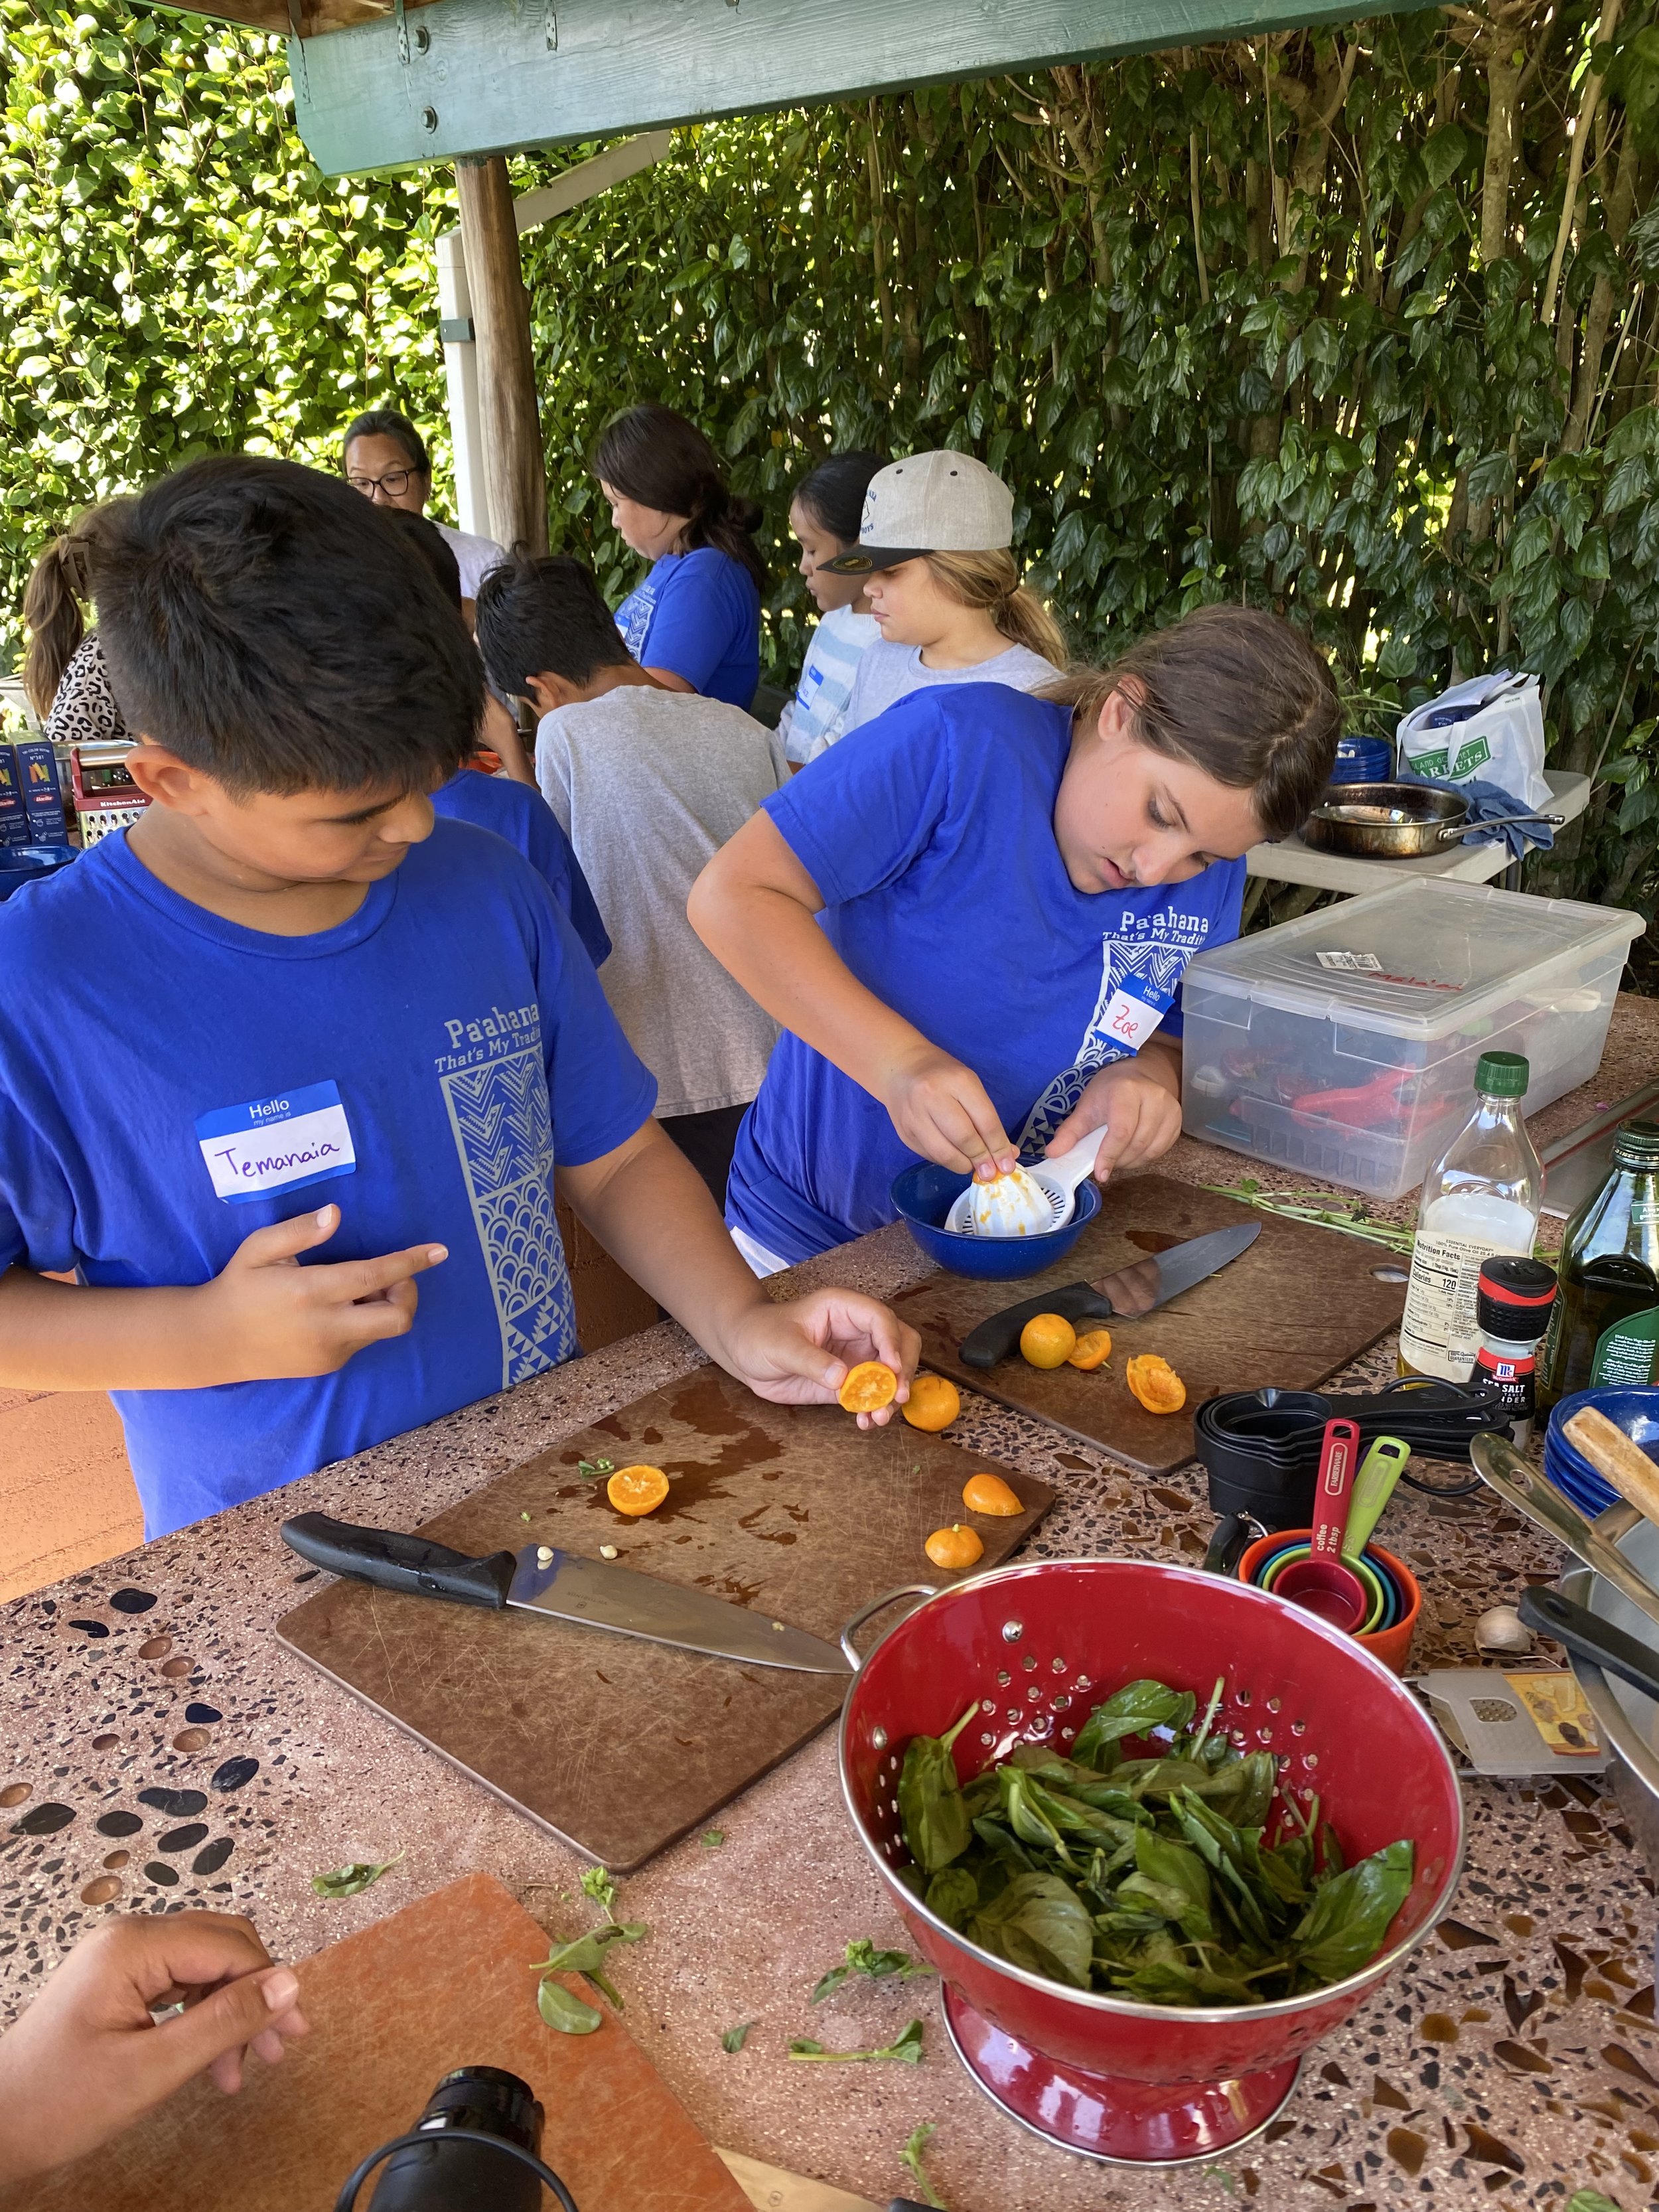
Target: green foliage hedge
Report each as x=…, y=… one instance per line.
x=1301, y=320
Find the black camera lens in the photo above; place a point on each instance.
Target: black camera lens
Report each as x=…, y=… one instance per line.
x=468, y=2176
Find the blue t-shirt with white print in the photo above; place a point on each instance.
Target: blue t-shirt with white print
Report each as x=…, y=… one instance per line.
x=697, y=614
x=171, y=1081
x=523, y=818
x=930, y=833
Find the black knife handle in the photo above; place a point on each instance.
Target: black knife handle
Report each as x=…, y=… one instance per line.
x=1587, y=1636
x=395, y=1562
x=995, y=1338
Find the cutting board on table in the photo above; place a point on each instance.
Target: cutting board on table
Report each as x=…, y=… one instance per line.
x=1299, y=1305
x=617, y=1746
x=441, y=1984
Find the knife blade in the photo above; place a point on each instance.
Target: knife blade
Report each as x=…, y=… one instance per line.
x=565, y=1586
x=1138, y=1289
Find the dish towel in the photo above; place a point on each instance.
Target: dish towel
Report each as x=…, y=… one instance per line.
x=1488, y=799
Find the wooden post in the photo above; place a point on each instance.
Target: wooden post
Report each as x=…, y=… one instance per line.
x=515, y=467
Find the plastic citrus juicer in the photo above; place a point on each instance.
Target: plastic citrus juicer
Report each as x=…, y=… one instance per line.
x=1320, y=1583
x=1028, y=1201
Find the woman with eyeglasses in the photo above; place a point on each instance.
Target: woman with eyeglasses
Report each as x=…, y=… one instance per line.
x=385, y=458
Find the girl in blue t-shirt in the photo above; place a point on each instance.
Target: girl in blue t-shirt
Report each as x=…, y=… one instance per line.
x=972, y=917
x=694, y=623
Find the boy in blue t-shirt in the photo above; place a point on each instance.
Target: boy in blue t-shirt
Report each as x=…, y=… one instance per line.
x=973, y=914
x=289, y=1011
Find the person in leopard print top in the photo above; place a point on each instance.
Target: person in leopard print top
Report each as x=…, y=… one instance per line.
x=63, y=670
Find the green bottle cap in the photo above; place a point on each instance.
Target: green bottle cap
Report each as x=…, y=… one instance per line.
x=1502, y=1075
x=1636, y=1146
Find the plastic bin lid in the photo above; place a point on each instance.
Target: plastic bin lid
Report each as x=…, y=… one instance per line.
x=1416, y=959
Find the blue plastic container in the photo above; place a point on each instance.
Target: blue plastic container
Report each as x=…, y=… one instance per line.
x=27, y=864
x=1633, y=1409
x=922, y=1196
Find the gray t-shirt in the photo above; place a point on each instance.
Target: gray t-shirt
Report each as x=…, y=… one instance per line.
x=887, y=673
x=648, y=785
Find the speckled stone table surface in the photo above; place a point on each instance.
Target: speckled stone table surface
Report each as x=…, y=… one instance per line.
x=190, y=1761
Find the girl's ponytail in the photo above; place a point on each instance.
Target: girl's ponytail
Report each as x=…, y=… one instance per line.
x=991, y=580
x=52, y=602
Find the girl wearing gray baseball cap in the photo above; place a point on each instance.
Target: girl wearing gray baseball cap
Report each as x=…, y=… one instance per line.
x=934, y=551
x=972, y=917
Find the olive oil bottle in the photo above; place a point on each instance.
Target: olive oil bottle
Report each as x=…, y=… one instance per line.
x=1609, y=1263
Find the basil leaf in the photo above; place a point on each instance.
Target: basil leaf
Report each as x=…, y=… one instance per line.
x=561, y=2008
x=352, y=1881
x=1135, y=1710
x=905, y=2047
x=1040, y=1923
x=953, y=1894
x=733, y=2039
x=932, y=1813
x=598, y=1885
x=1350, y=1915
x=863, y=1958
x=910, y=2159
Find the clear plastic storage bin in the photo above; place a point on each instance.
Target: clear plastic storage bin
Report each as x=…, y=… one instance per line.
x=1343, y=1045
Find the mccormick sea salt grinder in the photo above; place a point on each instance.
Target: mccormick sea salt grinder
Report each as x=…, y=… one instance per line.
x=1513, y=1304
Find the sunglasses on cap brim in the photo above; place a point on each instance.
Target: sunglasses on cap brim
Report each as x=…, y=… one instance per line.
x=861, y=560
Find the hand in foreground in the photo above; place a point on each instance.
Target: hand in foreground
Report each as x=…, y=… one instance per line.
x=86, y=2059
x=1141, y=1113
x=798, y=1353
x=943, y=1111
x=273, y=1319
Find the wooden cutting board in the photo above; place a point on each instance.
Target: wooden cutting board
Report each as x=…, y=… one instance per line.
x=441, y=1984
x=617, y=1746
x=1299, y=1304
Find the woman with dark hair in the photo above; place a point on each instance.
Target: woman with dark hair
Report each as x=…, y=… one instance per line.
x=694, y=623
x=384, y=456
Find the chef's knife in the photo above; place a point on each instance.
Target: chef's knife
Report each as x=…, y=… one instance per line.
x=1133, y=1290
x=592, y=1593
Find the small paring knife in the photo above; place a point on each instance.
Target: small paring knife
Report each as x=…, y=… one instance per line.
x=1138, y=1289
x=563, y=1586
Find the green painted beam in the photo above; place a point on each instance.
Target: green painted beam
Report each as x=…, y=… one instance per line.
x=491, y=76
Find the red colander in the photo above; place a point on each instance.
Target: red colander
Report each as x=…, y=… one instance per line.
x=1041, y=1644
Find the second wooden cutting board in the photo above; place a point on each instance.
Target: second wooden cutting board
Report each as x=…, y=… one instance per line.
x=1299, y=1305
x=620, y=1746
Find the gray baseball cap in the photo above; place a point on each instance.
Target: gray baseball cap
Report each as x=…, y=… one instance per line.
x=931, y=504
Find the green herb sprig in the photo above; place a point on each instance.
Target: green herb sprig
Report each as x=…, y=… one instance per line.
x=1319, y=1210
x=352, y=1881
x=589, y=1470
x=911, y=2158
x=906, y=2047
x=601, y=1886
x=1178, y=1877
x=583, y=1954
x=863, y=1958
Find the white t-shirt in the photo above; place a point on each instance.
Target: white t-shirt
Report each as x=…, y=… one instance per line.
x=474, y=556
x=817, y=716
x=648, y=785
x=888, y=673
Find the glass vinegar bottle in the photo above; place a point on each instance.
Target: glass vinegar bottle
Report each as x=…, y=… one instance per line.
x=1480, y=1198
x=1609, y=1263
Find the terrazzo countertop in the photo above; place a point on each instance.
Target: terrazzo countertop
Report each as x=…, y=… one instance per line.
x=161, y=1750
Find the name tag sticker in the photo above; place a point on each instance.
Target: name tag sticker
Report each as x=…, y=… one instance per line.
x=1130, y=1020
x=277, y=1144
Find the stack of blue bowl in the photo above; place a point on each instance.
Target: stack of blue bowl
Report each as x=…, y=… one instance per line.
x=27, y=864
x=1364, y=760
x=1635, y=1411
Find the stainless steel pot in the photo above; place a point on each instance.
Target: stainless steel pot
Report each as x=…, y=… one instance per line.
x=1628, y=1721
x=1396, y=821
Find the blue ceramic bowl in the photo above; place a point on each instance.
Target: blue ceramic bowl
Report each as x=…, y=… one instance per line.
x=27, y=864
x=922, y=1196
x=1634, y=1410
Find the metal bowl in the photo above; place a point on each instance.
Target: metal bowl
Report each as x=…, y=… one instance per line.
x=1628, y=1721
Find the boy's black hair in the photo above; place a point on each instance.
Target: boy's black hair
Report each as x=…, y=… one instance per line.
x=433, y=547
x=261, y=620
x=545, y=615
x=833, y=493
x=387, y=422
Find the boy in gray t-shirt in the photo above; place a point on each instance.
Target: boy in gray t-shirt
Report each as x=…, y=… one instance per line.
x=647, y=784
